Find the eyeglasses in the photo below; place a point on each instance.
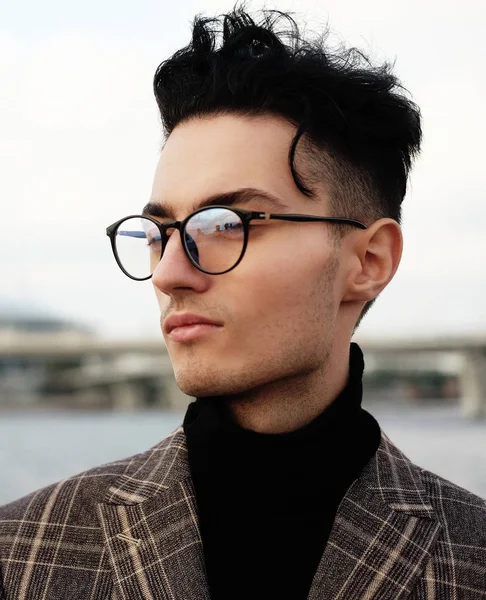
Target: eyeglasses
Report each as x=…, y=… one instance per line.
x=214, y=238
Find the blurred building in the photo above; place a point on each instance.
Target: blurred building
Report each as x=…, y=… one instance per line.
x=23, y=379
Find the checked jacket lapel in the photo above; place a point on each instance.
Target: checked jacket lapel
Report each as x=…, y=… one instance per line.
x=150, y=526
x=382, y=536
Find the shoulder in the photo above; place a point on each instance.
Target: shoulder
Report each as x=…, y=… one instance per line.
x=71, y=502
x=54, y=527
x=462, y=513
x=448, y=525
x=53, y=539
x=85, y=488
x=67, y=503
x=458, y=559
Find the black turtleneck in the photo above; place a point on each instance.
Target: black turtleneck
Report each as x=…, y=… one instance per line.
x=267, y=502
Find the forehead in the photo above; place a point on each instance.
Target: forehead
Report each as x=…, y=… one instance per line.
x=212, y=155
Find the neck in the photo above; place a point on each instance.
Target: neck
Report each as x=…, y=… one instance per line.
x=291, y=403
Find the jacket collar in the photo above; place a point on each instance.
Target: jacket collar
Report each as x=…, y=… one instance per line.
x=150, y=527
x=390, y=474
x=383, y=533
x=397, y=480
x=152, y=472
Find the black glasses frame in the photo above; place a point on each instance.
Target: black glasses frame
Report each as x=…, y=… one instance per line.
x=246, y=217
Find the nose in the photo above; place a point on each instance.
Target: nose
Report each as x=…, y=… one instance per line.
x=175, y=271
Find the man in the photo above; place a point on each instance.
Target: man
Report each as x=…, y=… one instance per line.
x=272, y=227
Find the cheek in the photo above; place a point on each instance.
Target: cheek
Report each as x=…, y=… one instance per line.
x=286, y=281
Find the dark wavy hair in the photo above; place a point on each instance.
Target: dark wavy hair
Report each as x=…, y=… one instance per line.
x=355, y=124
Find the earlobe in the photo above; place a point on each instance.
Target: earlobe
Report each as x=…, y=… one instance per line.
x=377, y=253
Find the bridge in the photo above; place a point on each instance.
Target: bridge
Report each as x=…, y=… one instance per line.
x=470, y=352
x=120, y=367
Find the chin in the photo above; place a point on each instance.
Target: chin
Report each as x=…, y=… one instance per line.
x=200, y=391
x=208, y=383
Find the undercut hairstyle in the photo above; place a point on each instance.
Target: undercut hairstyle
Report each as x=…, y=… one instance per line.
x=357, y=130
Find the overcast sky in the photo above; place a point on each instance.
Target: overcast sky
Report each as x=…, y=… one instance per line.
x=79, y=141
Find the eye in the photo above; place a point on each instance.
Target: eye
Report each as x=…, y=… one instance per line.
x=228, y=228
x=154, y=243
x=233, y=226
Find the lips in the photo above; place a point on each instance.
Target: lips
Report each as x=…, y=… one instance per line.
x=186, y=320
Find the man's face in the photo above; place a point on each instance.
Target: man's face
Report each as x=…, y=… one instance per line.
x=278, y=308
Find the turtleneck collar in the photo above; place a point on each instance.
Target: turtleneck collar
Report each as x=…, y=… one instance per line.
x=338, y=443
x=208, y=418
x=266, y=502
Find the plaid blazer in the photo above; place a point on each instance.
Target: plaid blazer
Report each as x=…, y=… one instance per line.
x=129, y=530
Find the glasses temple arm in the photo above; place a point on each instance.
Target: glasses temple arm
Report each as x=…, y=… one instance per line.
x=313, y=218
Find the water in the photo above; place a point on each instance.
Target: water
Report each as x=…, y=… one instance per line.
x=38, y=449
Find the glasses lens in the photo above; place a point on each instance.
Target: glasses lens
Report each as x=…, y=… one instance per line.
x=215, y=238
x=138, y=245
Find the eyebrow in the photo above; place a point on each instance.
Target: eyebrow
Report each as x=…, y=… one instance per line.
x=239, y=196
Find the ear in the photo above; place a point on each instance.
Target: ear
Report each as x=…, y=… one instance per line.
x=375, y=256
